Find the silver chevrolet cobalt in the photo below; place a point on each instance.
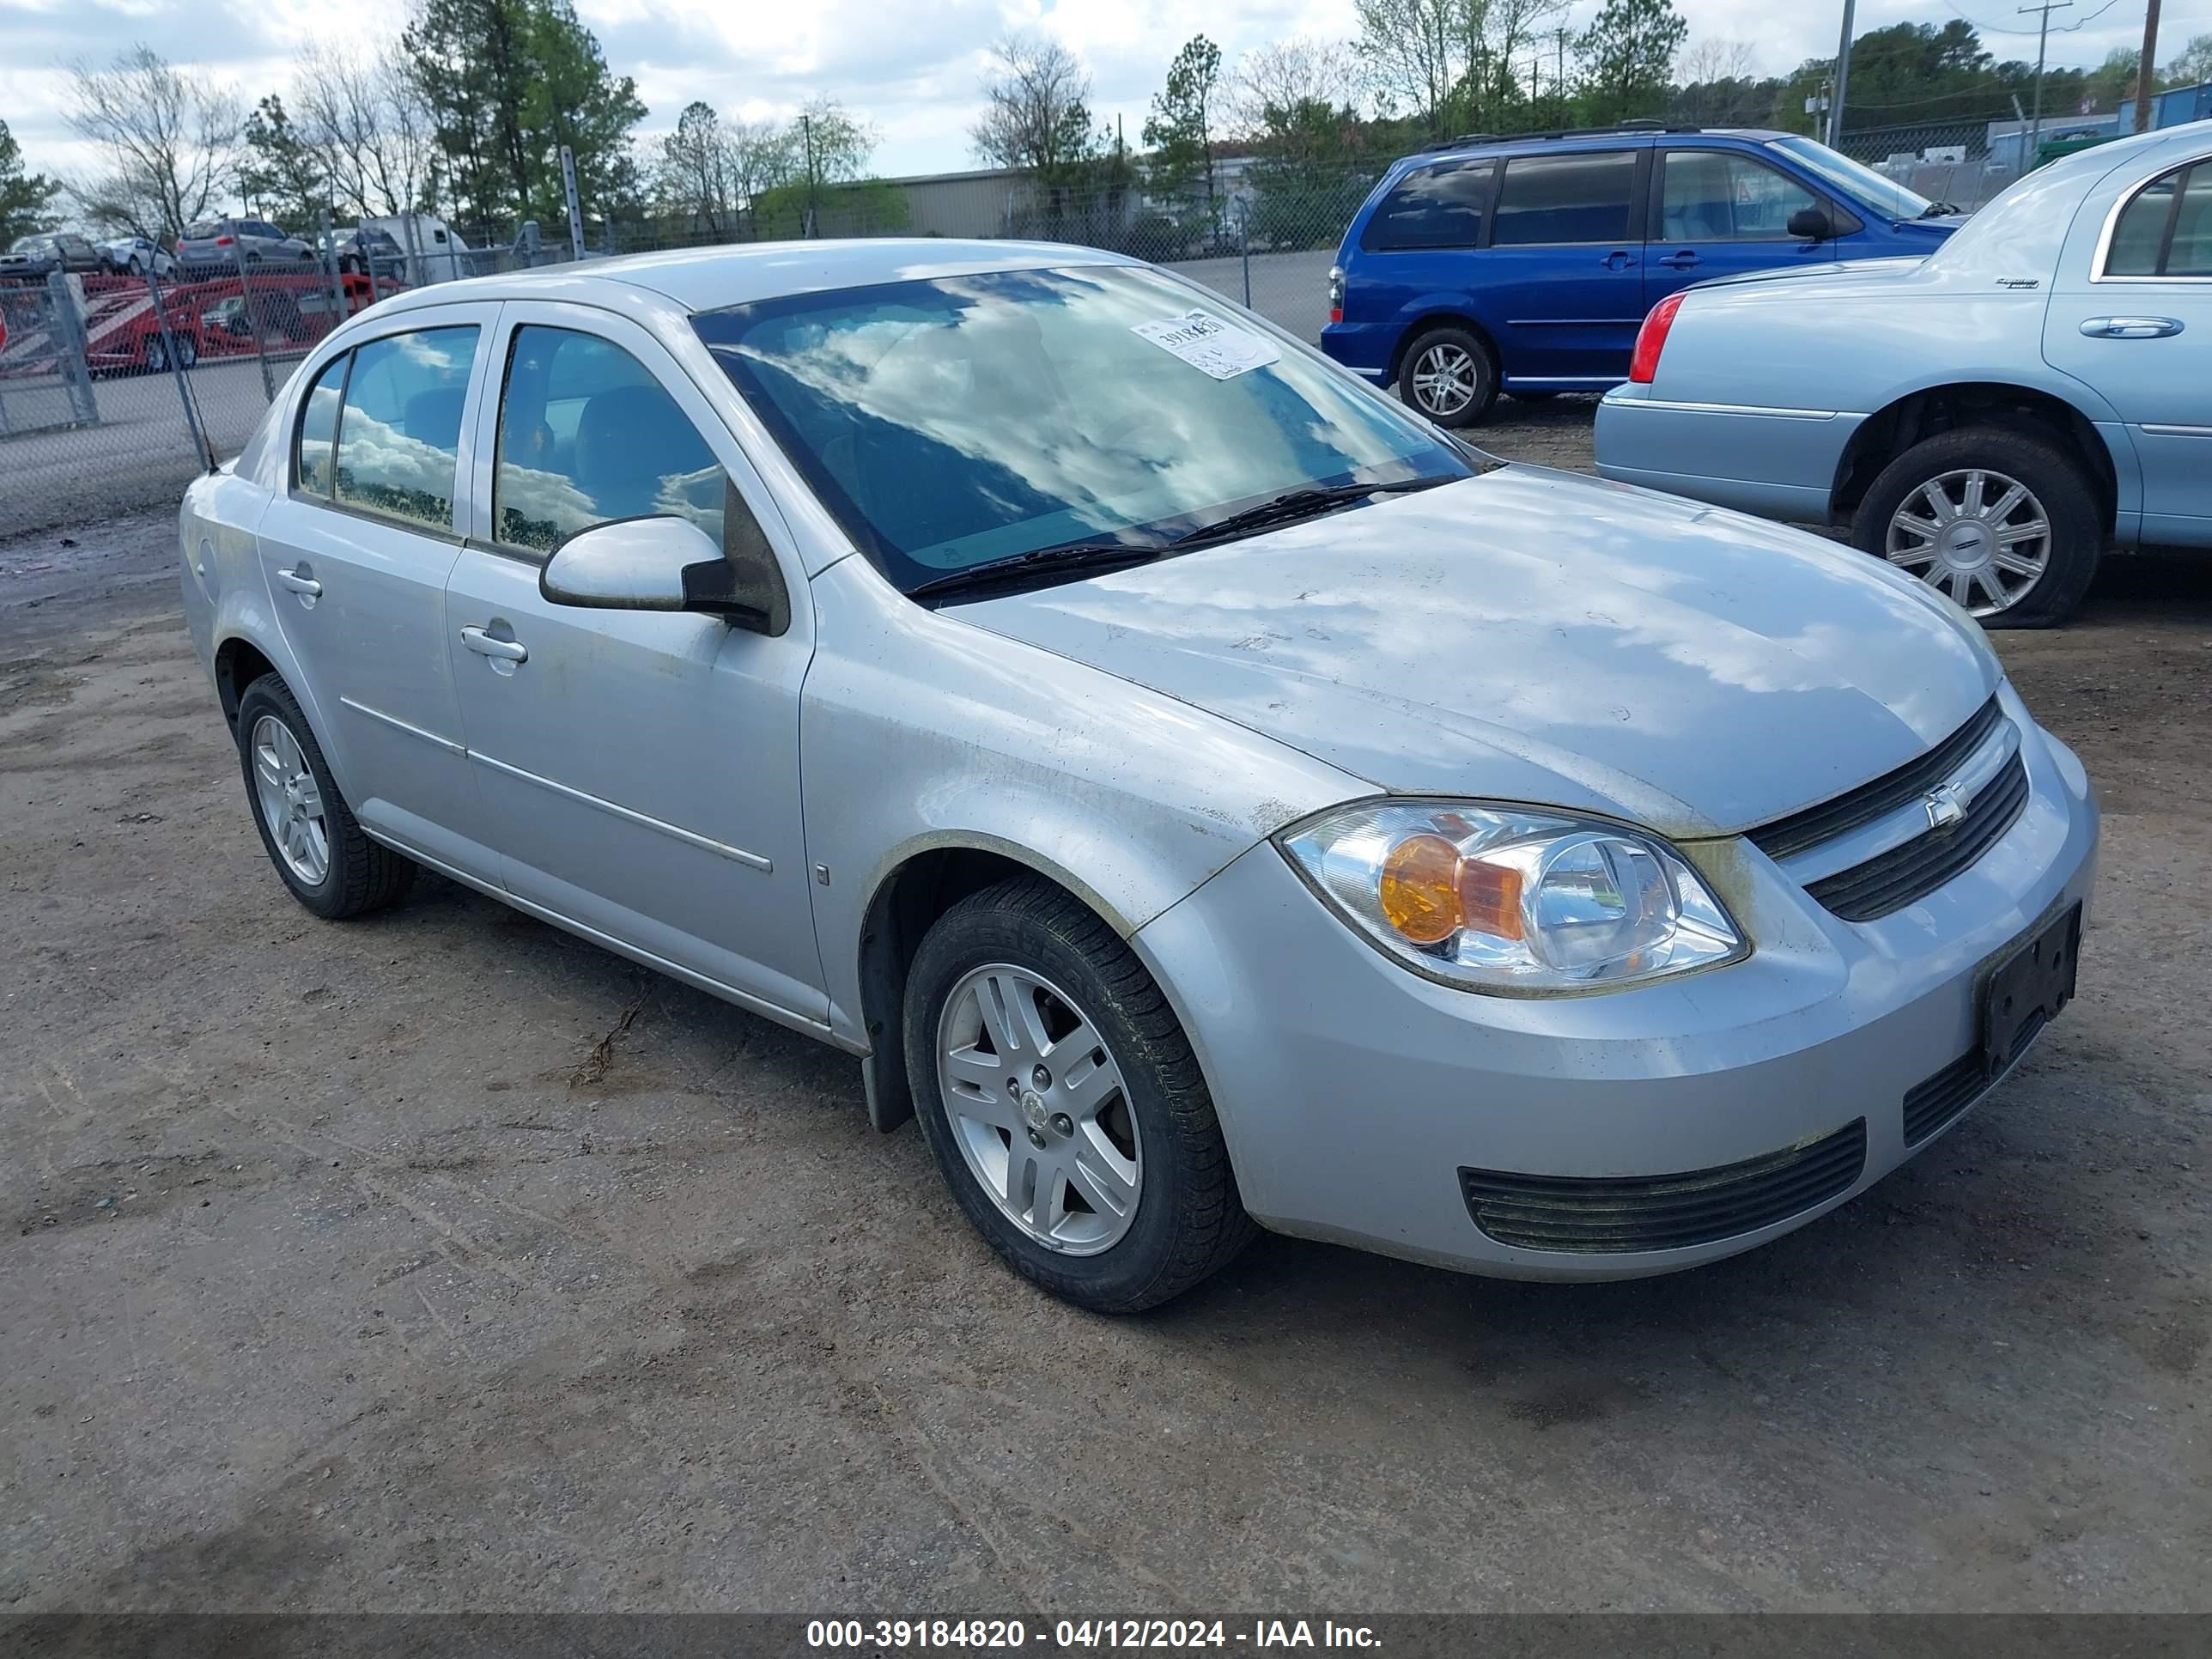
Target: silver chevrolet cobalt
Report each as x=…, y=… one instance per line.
x=1200, y=792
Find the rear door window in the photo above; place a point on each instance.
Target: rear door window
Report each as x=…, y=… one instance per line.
x=1581, y=196
x=1441, y=206
x=399, y=435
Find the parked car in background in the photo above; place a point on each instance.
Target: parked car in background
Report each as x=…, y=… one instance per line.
x=1987, y=420
x=1526, y=264
x=215, y=246
x=435, y=251
x=227, y=317
x=46, y=251
x=1199, y=788
x=134, y=256
x=367, y=250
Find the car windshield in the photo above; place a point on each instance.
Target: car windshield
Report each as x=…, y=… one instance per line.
x=962, y=421
x=1855, y=178
x=28, y=244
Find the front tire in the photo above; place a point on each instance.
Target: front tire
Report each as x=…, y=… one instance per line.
x=1063, y=1105
x=2004, y=522
x=1449, y=375
x=308, y=830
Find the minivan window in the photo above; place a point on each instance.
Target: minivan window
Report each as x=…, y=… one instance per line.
x=1714, y=196
x=318, y=427
x=586, y=434
x=1582, y=197
x=399, y=435
x=1441, y=206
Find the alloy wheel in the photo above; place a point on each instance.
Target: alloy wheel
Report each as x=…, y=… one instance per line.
x=1976, y=535
x=1038, y=1108
x=1444, y=379
x=291, y=801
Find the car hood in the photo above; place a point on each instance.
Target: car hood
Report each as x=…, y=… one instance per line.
x=1535, y=635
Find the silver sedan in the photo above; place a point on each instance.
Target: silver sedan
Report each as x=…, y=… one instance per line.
x=1200, y=792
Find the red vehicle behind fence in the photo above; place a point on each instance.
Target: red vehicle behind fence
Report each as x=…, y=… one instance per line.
x=218, y=318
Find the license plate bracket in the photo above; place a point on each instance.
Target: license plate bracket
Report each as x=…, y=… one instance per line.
x=2026, y=990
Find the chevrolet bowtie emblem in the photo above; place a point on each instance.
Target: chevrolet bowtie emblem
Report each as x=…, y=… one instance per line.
x=1947, y=805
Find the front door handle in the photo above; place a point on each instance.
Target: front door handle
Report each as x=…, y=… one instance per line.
x=485, y=645
x=299, y=584
x=2131, y=328
x=1682, y=261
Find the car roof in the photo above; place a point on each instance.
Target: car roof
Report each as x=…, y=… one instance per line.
x=1580, y=139
x=707, y=278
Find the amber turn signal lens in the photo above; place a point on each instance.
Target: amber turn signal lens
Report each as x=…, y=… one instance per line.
x=1419, y=889
x=1490, y=899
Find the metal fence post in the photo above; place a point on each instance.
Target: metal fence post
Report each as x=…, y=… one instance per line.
x=70, y=324
x=330, y=251
x=252, y=319
x=575, y=211
x=201, y=447
x=1244, y=246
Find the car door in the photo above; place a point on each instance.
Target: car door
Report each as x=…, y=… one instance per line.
x=1563, y=270
x=1718, y=213
x=2131, y=314
x=638, y=770
x=355, y=550
x=1416, y=250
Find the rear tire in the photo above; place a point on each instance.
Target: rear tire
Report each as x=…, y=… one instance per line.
x=307, y=828
x=1938, y=476
x=1449, y=375
x=1143, y=1109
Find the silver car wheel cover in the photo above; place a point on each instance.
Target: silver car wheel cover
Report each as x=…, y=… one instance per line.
x=1042, y=1121
x=1976, y=535
x=291, y=801
x=1444, y=379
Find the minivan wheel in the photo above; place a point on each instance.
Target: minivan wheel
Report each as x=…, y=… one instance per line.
x=1063, y=1105
x=2005, y=522
x=1449, y=375
x=319, y=850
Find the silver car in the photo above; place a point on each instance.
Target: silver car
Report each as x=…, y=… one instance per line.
x=1988, y=419
x=1198, y=790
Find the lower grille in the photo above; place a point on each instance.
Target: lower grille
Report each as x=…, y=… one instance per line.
x=1891, y=880
x=1611, y=1214
x=1935, y=1100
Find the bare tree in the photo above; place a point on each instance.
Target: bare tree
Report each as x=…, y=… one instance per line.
x=1038, y=110
x=692, y=175
x=761, y=157
x=169, y=142
x=1412, y=52
x=1715, y=60
x=1288, y=75
x=366, y=118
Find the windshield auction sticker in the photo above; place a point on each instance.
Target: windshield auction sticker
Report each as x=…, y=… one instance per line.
x=1205, y=341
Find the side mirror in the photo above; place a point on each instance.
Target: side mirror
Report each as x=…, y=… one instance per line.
x=1811, y=224
x=671, y=564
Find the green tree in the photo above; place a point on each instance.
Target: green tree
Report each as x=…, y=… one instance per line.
x=24, y=197
x=1179, y=130
x=507, y=84
x=1626, y=58
x=2193, y=66
x=280, y=174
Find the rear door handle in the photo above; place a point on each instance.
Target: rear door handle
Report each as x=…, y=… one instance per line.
x=1682, y=261
x=2131, y=328
x=299, y=584
x=485, y=646
x=1618, y=260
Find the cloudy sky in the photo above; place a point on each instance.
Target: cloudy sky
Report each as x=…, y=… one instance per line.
x=911, y=66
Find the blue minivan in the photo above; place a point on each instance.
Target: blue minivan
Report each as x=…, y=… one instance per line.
x=1526, y=264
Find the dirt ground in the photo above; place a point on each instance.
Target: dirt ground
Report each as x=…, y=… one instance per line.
x=441, y=1260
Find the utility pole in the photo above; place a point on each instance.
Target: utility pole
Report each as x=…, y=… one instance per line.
x=1842, y=79
x=2145, y=72
x=2042, y=41
x=806, y=131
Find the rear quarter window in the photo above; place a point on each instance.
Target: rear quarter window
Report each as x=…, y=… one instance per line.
x=1440, y=206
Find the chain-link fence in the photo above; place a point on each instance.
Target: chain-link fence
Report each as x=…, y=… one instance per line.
x=1960, y=163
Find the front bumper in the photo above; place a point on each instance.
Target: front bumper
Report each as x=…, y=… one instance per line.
x=1354, y=1093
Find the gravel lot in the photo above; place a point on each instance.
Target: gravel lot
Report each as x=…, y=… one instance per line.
x=441, y=1260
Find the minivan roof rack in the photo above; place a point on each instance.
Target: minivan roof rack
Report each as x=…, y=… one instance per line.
x=1468, y=140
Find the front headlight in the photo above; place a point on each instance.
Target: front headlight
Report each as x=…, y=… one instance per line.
x=1510, y=900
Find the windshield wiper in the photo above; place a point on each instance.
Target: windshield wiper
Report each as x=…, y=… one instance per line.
x=1075, y=556
x=1295, y=505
